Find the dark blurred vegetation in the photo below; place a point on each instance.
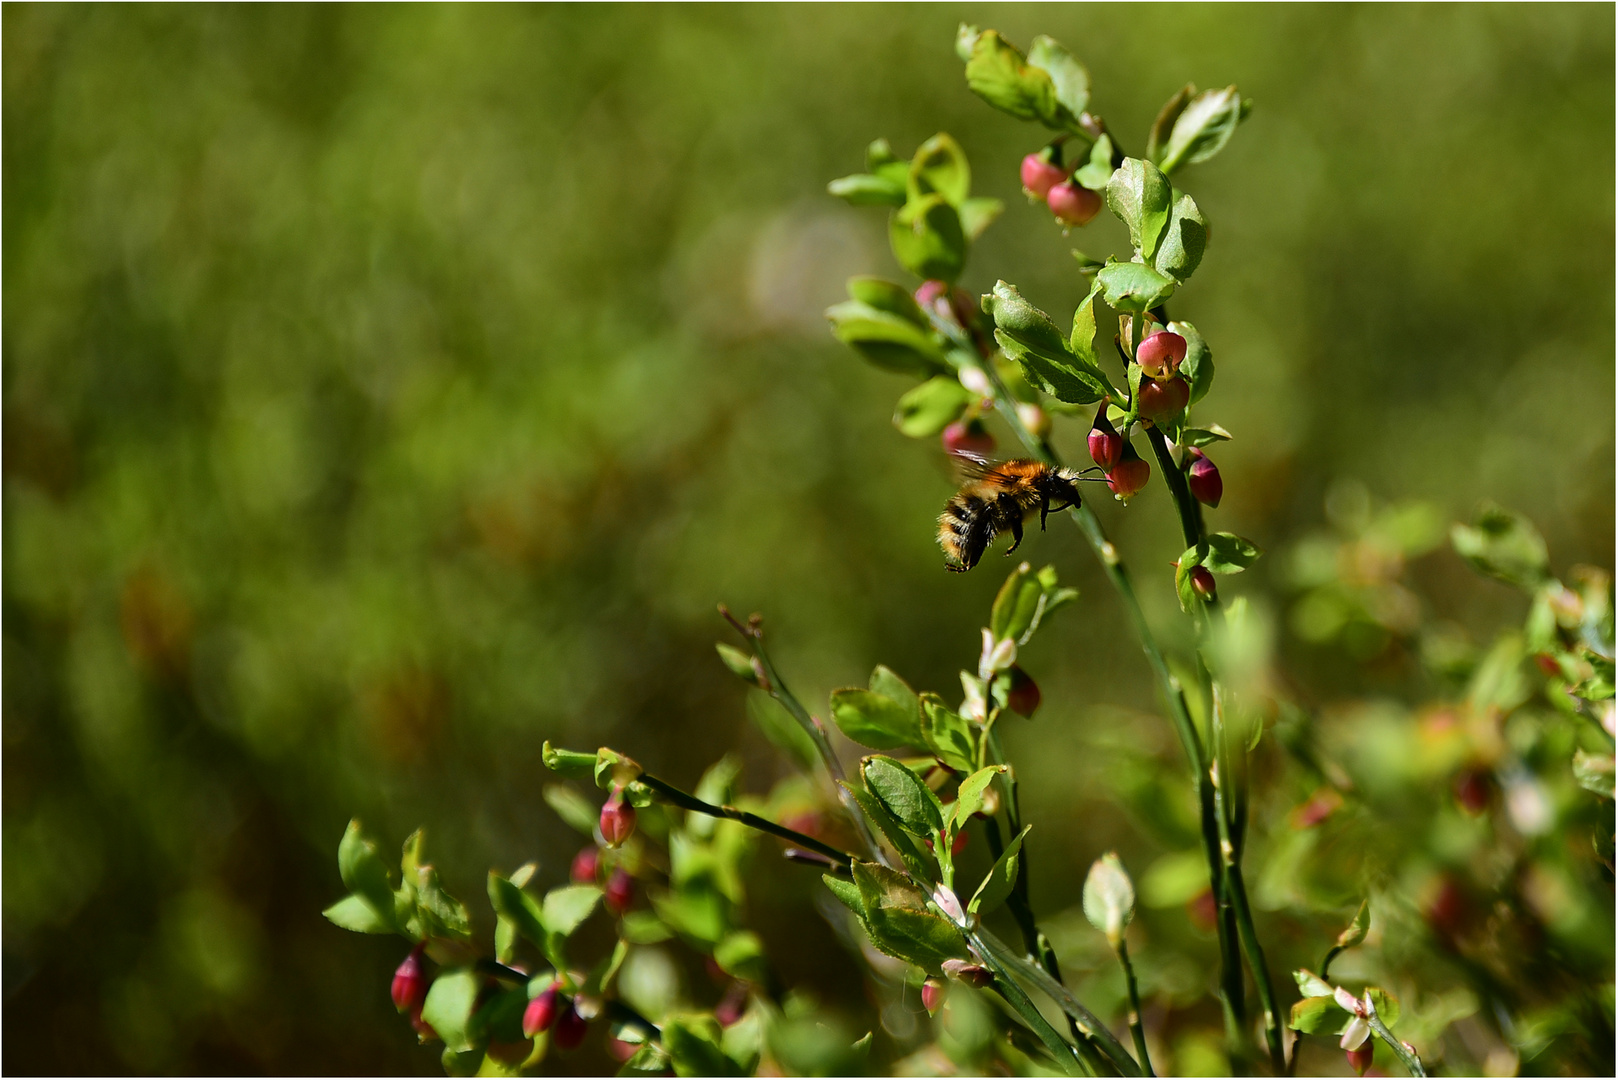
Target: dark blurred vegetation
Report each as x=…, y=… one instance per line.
x=387, y=389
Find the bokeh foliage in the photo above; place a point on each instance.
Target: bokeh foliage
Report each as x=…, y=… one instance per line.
x=388, y=389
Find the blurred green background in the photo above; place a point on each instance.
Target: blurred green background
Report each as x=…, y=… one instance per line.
x=388, y=389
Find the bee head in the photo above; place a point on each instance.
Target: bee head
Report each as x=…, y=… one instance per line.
x=1063, y=484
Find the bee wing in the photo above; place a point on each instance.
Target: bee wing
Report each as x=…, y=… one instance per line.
x=971, y=467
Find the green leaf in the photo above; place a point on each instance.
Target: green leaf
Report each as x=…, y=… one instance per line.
x=1029, y=336
x=1001, y=879
x=1193, y=436
x=927, y=238
x=1185, y=238
x=881, y=160
x=1025, y=323
x=741, y=954
x=1062, y=381
x=740, y=663
x=899, y=920
x=1183, y=589
x=1503, y=545
x=1109, y=897
x=998, y=74
x=875, y=720
x=440, y=913
x=970, y=796
x=931, y=407
x=1318, y=1015
x=572, y=807
x=518, y=908
x=1229, y=553
x=1310, y=984
x=1594, y=772
x=449, y=1005
x=895, y=833
x=355, y=913
x=978, y=214
x=570, y=764
x=782, y=729
x=887, y=340
x=1158, y=138
x=947, y=734
x=363, y=871
x=966, y=36
x=1069, y=77
x=1198, y=367
x=693, y=1045
x=1599, y=686
x=887, y=296
x=1140, y=196
x=1203, y=127
x=1133, y=287
x=864, y=189
x=939, y=165
x=904, y=795
x=1025, y=601
x=1096, y=173
x=644, y=928
x=1387, y=1006
x=1357, y=928
x=1082, y=341
x=886, y=682
x=846, y=891
x=567, y=907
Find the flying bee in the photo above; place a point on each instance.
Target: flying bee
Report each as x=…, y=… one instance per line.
x=995, y=497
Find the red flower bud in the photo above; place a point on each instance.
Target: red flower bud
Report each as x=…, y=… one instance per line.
x=410, y=982
x=541, y=1012
x=586, y=865
x=932, y=995
x=1106, y=445
x=1548, y=665
x=617, y=819
x=968, y=437
x=975, y=974
x=1040, y=173
x=958, y=845
x=1203, y=479
x=1130, y=474
x=1472, y=790
x=1359, y=1058
x=930, y=292
x=1202, y=580
x=1161, y=353
x=621, y=1051
x=568, y=1031
x=1162, y=398
x=1072, y=204
x=1023, y=697
x=1203, y=910
x=733, y=1005
x=619, y=892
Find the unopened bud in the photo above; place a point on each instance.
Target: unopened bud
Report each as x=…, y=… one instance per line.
x=932, y=995
x=1160, y=399
x=1472, y=791
x=1106, y=445
x=586, y=865
x=1042, y=171
x=932, y=294
x=619, y=892
x=733, y=1005
x=410, y=982
x=968, y=437
x=1130, y=474
x=1202, y=580
x=1359, y=1058
x=1203, y=479
x=617, y=819
x=424, y=1030
x=621, y=1051
x=569, y=1029
x=1203, y=910
x=1161, y=353
x=1035, y=419
x=1023, y=697
x=974, y=974
x=1072, y=204
x=541, y=1012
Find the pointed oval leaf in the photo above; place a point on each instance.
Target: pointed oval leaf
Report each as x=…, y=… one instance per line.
x=904, y=795
x=1140, y=196
x=875, y=720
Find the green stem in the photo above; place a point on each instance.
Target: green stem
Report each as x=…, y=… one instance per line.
x=1136, y=1028
x=1407, y=1057
x=690, y=802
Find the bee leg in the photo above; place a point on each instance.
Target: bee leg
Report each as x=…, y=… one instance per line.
x=1016, y=536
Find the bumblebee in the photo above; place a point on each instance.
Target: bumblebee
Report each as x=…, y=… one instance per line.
x=994, y=498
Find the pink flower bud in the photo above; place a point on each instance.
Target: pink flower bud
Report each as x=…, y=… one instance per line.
x=1035, y=419
x=1161, y=353
x=569, y=1029
x=621, y=1051
x=1040, y=173
x=1203, y=479
x=1202, y=580
x=1106, y=445
x=617, y=819
x=968, y=437
x=1023, y=697
x=586, y=866
x=932, y=995
x=975, y=974
x=733, y=1005
x=619, y=892
x=1072, y=204
x=929, y=293
x=410, y=982
x=1130, y=474
x=1162, y=398
x=1359, y=1058
x=541, y=1012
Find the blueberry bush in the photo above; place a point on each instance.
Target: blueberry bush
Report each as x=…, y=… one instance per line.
x=1418, y=881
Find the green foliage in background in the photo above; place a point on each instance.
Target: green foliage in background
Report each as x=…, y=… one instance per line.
x=389, y=389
